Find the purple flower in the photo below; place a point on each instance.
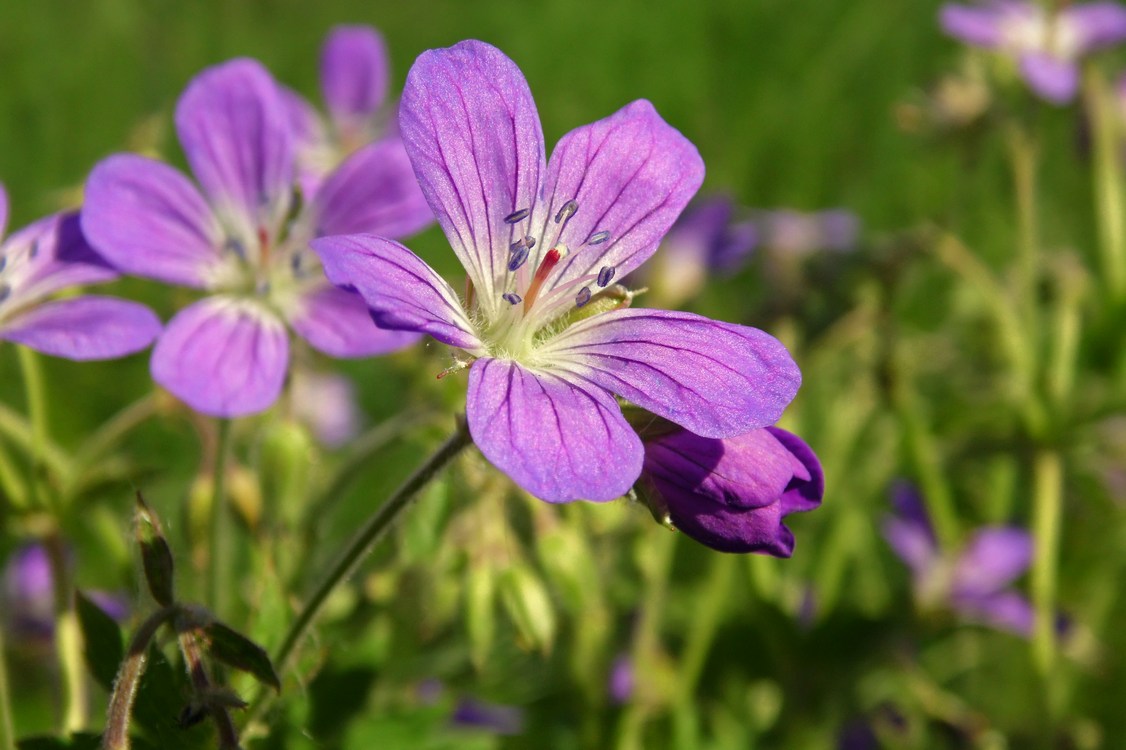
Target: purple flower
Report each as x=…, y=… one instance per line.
x=1046, y=45
x=243, y=240
x=549, y=335
x=975, y=582
x=28, y=595
x=51, y=255
x=703, y=240
x=799, y=233
x=491, y=717
x=732, y=494
x=326, y=403
x=622, y=680
x=354, y=84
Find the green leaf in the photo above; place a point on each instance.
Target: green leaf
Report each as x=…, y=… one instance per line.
x=529, y=606
x=104, y=650
x=156, y=556
x=236, y=650
x=480, y=613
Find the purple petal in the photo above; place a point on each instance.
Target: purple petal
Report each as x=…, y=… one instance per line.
x=728, y=529
x=622, y=681
x=807, y=486
x=491, y=717
x=47, y=256
x=315, y=153
x=338, y=323
x=983, y=27
x=234, y=126
x=326, y=403
x=1051, y=78
x=223, y=356
x=402, y=292
x=747, y=471
x=84, y=328
x=3, y=209
x=374, y=191
x=471, y=130
x=992, y=559
x=1005, y=610
x=909, y=533
x=631, y=175
x=556, y=438
x=1095, y=25
x=354, y=73
x=149, y=220
x=715, y=379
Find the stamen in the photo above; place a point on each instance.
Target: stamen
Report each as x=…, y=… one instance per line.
x=295, y=263
x=567, y=211
x=598, y=237
x=3, y=261
x=264, y=243
x=606, y=275
x=518, y=215
x=531, y=241
x=554, y=255
x=34, y=249
x=582, y=297
x=511, y=298
x=235, y=246
x=5, y=292
x=519, y=258
x=522, y=242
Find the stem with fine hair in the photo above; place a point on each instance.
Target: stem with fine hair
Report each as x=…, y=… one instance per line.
x=116, y=736
x=219, y=552
x=365, y=538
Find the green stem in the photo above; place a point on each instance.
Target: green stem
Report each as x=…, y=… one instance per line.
x=68, y=639
x=17, y=429
x=37, y=416
x=1110, y=197
x=1047, y=501
x=116, y=736
x=10, y=486
x=708, y=610
x=219, y=559
x=7, y=729
x=371, y=532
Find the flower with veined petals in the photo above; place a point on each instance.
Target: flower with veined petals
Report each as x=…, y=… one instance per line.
x=975, y=582
x=732, y=494
x=245, y=243
x=1047, y=45
x=551, y=338
x=49, y=256
x=354, y=82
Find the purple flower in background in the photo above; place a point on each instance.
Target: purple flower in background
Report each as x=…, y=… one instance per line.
x=975, y=582
x=705, y=239
x=799, y=233
x=550, y=337
x=28, y=596
x=491, y=717
x=732, y=494
x=244, y=238
x=354, y=82
x=47, y=257
x=1046, y=45
x=622, y=680
x=326, y=403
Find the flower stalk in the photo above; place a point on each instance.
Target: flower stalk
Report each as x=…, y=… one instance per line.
x=371, y=532
x=1047, y=507
x=7, y=729
x=116, y=736
x=1110, y=214
x=219, y=559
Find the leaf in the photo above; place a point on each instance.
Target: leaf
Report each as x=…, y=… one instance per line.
x=480, y=614
x=156, y=556
x=79, y=741
x=101, y=636
x=236, y=650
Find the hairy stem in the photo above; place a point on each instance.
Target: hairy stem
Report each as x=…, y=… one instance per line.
x=116, y=736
